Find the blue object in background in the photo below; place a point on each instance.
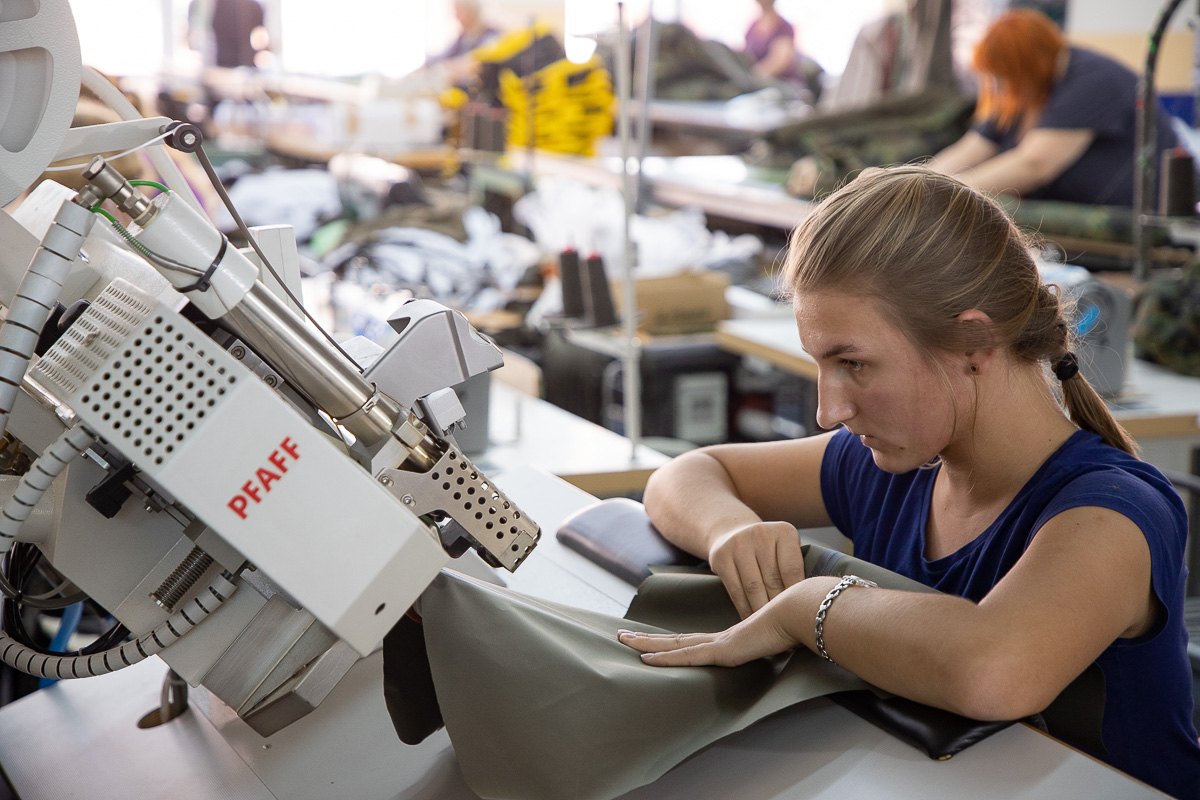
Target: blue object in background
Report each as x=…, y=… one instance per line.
x=66, y=629
x=1180, y=105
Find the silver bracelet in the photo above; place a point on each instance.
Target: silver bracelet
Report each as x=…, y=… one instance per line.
x=846, y=582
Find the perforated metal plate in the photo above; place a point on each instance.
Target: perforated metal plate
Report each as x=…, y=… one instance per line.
x=138, y=374
x=157, y=390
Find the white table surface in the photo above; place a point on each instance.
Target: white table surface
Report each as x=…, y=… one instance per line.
x=79, y=739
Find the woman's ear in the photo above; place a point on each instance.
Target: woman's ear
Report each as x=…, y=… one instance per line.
x=977, y=333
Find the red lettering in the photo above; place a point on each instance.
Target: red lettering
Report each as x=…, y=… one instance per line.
x=277, y=460
x=260, y=484
x=265, y=477
x=238, y=504
x=290, y=448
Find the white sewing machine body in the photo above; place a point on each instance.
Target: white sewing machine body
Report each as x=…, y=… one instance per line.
x=242, y=468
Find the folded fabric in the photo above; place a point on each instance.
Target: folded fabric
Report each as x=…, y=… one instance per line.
x=541, y=701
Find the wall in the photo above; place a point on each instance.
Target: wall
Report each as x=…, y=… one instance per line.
x=1121, y=28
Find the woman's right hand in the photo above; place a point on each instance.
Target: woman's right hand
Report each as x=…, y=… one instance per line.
x=756, y=562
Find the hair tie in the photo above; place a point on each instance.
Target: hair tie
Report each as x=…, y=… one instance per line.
x=1066, y=367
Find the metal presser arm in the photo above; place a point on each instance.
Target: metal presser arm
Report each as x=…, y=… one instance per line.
x=415, y=463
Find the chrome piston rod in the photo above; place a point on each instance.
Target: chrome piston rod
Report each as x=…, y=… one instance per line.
x=313, y=367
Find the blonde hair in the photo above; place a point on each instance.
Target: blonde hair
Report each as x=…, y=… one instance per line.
x=927, y=248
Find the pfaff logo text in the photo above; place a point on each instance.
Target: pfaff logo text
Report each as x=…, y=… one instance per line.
x=253, y=489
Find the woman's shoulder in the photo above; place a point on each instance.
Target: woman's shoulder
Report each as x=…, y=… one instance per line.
x=1086, y=471
x=1090, y=66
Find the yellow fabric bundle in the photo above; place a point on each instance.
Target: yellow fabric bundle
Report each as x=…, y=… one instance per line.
x=563, y=107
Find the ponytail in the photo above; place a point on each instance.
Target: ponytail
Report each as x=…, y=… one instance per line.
x=1086, y=409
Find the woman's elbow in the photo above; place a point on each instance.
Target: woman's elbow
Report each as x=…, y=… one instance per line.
x=998, y=687
x=663, y=482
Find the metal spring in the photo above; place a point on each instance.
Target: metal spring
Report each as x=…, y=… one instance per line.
x=177, y=584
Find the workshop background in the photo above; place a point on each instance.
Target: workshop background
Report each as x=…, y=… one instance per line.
x=605, y=191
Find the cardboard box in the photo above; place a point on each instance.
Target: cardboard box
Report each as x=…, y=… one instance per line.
x=691, y=302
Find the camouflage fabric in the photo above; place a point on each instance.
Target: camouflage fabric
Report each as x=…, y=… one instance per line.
x=1166, y=326
x=1048, y=217
x=688, y=68
x=894, y=131
x=1079, y=220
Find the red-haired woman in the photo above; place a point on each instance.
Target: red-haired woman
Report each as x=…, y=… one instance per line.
x=1054, y=122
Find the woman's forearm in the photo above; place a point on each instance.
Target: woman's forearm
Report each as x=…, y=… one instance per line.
x=692, y=501
x=933, y=648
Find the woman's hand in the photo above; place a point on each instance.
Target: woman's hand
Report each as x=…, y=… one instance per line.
x=764, y=633
x=757, y=562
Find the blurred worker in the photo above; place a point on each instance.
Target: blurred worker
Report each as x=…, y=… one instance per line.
x=771, y=45
x=1054, y=122
x=230, y=33
x=473, y=32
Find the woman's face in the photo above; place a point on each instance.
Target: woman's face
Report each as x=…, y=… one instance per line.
x=876, y=383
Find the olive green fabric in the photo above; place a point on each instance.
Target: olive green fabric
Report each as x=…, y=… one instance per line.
x=893, y=131
x=1079, y=220
x=1166, y=326
x=542, y=702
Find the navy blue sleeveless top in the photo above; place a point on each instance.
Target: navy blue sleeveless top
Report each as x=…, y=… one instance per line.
x=1147, y=728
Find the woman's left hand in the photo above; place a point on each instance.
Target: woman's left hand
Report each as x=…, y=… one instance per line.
x=764, y=633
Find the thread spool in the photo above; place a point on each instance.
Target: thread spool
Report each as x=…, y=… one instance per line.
x=597, y=297
x=1177, y=184
x=572, y=288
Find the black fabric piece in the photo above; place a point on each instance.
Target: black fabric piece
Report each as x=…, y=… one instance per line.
x=408, y=683
x=617, y=535
x=939, y=734
x=1066, y=367
x=1077, y=714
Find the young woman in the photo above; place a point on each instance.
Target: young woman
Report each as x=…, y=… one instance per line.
x=1053, y=122
x=953, y=464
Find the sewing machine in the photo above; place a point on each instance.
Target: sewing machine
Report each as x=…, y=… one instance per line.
x=184, y=448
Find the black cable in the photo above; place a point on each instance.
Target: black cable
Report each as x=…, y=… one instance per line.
x=19, y=565
x=14, y=625
x=114, y=636
x=215, y=180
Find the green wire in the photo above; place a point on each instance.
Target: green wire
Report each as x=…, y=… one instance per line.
x=155, y=184
x=141, y=248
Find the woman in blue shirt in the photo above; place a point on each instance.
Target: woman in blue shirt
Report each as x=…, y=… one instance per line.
x=954, y=464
